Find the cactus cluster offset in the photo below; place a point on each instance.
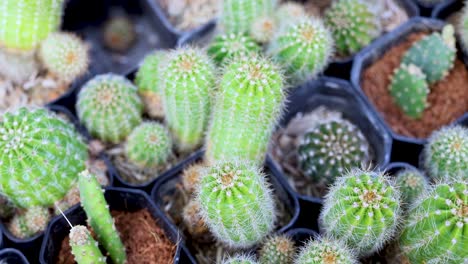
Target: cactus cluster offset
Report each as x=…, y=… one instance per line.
x=30, y=222
x=279, y=249
x=237, y=16
x=109, y=106
x=325, y=251
x=412, y=183
x=41, y=157
x=83, y=247
x=228, y=46
x=437, y=226
x=240, y=259
x=332, y=148
x=236, y=204
x=362, y=209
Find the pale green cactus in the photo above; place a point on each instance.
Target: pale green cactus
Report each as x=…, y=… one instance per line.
x=412, y=183
x=289, y=12
x=325, y=251
x=279, y=249
x=84, y=248
x=263, y=29
x=224, y=48
x=237, y=16
x=240, y=259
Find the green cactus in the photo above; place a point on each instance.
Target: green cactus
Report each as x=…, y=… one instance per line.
x=325, y=251
x=109, y=106
x=263, y=28
x=64, y=55
x=289, y=12
x=99, y=217
x=437, y=227
x=410, y=90
x=189, y=83
x=462, y=28
x=237, y=16
x=412, y=183
x=353, y=24
x=227, y=46
x=83, y=247
x=240, y=259
x=249, y=103
x=332, y=148
x=446, y=153
x=119, y=33
x=41, y=157
x=303, y=48
x=149, y=145
x=361, y=209
x=236, y=204
x=278, y=249
x=30, y=222
x=434, y=54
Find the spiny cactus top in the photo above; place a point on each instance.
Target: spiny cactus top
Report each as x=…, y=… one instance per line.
x=437, y=227
x=325, y=251
x=240, y=259
x=227, y=46
x=25, y=23
x=462, y=28
x=236, y=204
x=237, y=15
x=109, y=106
x=30, y=222
x=332, y=148
x=411, y=183
x=263, y=28
x=446, y=153
x=84, y=248
x=288, y=12
x=41, y=156
x=279, y=249
x=361, y=209
x=353, y=25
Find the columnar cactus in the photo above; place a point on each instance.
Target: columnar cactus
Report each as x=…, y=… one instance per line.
x=332, y=148
x=412, y=183
x=437, y=227
x=325, y=251
x=99, y=218
x=236, y=204
x=109, y=106
x=238, y=15
x=361, y=209
x=30, y=222
x=41, y=157
x=228, y=46
x=434, y=54
x=240, y=259
x=303, y=48
x=84, y=248
x=248, y=104
x=279, y=249
x=189, y=84
x=263, y=28
x=149, y=145
x=353, y=24
x=446, y=153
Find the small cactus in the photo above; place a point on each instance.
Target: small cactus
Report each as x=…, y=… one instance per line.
x=289, y=12
x=433, y=54
x=119, y=33
x=361, y=209
x=237, y=16
x=191, y=177
x=412, y=183
x=278, y=249
x=30, y=222
x=193, y=220
x=228, y=46
x=325, y=251
x=149, y=145
x=330, y=149
x=240, y=259
x=99, y=218
x=83, y=247
x=109, y=106
x=446, y=153
x=236, y=204
x=436, y=229
x=353, y=24
x=462, y=28
x=263, y=28
x=18, y=67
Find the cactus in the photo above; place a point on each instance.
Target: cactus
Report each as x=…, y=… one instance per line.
x=18, y=67
x=238, y=15
x=411, y=183
x=434, y=54
x=148, y=80
x=303, y=48
x=289, y=12
x=236, y=204
x=83, y=247
x=30, y=222
x=240, y=259
x=191, y=177
x=332, y=148
x=148, y=146
x=109, y=106
x=41, y=157
x=325, y=251
x=436, y=229
x=99, y=218
x=64, y=55
x=189, y=83
x=462, y=29
x=361, y=209
x=249, y=103
x=279, y=249
x=353, y=25
x=409, y=90
x=193, y=220
x=263, y=29
x=228, y=46
x=446, y=153
x=119, y=33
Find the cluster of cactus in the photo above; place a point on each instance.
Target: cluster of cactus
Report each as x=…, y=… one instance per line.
x=278, y=249
x=325, y=251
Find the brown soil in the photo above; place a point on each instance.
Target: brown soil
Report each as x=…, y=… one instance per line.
x=143, y=239
x=448, y=98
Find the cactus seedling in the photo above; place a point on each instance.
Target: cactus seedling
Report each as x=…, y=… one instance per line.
x=119, y=33
x=193, y=220
x=437, y=226
x=228, y=46
x=30, y=222
x=237, y=16
x=361, y=209
x=412, y=183
x=84, y=248
x=263, y=29
x=325, y=251
x=109, y=106
x=277, y=249
x=240, y=259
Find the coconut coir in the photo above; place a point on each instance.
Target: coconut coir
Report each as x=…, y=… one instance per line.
x=448, y=98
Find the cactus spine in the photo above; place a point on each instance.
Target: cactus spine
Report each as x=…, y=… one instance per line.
x=238, y=15
x=412, y=183
x=226, y=47
x=84, y=248
x=325, y=251
x=277, y=249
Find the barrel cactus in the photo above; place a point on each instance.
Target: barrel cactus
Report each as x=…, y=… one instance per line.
x=30, y=222
x=237, y=16
x=412, y=183
x=325, y=251
x=83, y=247
x=240, y=259
x=289, y=12
x=227, y=46
x=263, y=28
x=279, y=249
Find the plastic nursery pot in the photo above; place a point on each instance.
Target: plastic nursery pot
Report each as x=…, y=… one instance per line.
x=300, y=236
x=426, y=9
x=120, y=199
x=13, y=256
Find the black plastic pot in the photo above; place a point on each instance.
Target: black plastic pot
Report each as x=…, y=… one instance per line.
x=300, y=236
x=118, y=199
x=427, y=9
x=13, y=256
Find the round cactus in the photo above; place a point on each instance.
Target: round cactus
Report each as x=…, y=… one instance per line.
x=361, y=209
x=225, y=47
x=434, y=54
x=303, y=48
x=18, y=67
x=83, y=247
x=436, y=229
x=325, y=251
x=191, y=177
x=30, y=222
x=236, y=204
x=331, y=148
x=263, y=29
x=41, y=157
x=64, y=55
x=463, y=29
x=289, y=12
x=353, y=25
x=119, y=33
x=412, y=183
x=279, y=249
x=446, y=153
x=240, y=259
x=149, y=145
x=109, y=106
x=237, y=16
